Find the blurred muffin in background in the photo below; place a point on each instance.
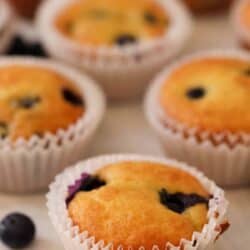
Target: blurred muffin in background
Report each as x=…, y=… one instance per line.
x=120, y=43
x=241, y=22
x=47, y=112
x=25, y=8
x=201, y=6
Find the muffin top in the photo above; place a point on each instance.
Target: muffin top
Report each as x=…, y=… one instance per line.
x=35, y=100
x=112, y=22
x=139, y=204
x=211, y=94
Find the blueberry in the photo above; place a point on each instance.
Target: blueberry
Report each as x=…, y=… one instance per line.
x=125, y=39
x=18, y=46
x=91, y=183
x=86, y=183
x=27, y=102
x=179, y=202
x=150, y=18
x=17, y=230
x=72, y=97
x=196, y=93
x=3, y=130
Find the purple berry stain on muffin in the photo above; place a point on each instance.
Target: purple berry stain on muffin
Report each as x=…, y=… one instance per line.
x=86, y=183
x=179, y=202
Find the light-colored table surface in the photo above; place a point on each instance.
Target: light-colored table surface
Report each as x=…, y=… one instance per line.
x=125, y=130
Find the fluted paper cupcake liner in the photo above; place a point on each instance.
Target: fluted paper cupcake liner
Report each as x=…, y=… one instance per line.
x=240, y=29
x=7, y=20
x=123, y=72
x=73, y=239
x=224, y=157
x=30, y=165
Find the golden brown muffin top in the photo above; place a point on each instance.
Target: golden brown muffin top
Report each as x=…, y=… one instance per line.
x=35, y=100
x=140, y=204
x=210, y=94
x=109, y=22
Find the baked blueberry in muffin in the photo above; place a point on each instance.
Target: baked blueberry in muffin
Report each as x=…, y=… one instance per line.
x=138, y=204
x=112, y=22
x=35, y=100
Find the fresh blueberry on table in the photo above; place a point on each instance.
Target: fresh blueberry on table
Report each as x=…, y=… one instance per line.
x=19, y=46
x=17, y=230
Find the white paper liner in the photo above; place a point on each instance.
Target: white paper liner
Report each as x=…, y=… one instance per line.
x=7, y=21
x=123, y=72
x=30, y=165
x=241, y=30
x=224, y=157
x=73, y=239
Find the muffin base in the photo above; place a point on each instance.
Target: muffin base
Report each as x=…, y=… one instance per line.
x=30, y=165
x=122, y=72
x=220, y=156
x=73, y=240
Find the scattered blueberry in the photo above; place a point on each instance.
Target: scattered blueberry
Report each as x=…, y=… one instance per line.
x=27, y=102
x=72, y=97
x=17, y=230
x=179, y=202
x=73, y=189
x=125, y=39
x=3, y=130
x=18, y=46
x=196, y=93
x=86, y=183
x=150, y=18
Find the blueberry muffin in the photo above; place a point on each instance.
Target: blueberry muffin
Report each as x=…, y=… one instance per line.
x=120, y=43
x=210, y=94
x=200, y=109
x=151, y=203
x=132, y=201
x=35, y=100
x=112, y=22
x=25, y=8
x=200, y=6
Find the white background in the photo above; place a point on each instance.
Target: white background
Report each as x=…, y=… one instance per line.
x=125, y=130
